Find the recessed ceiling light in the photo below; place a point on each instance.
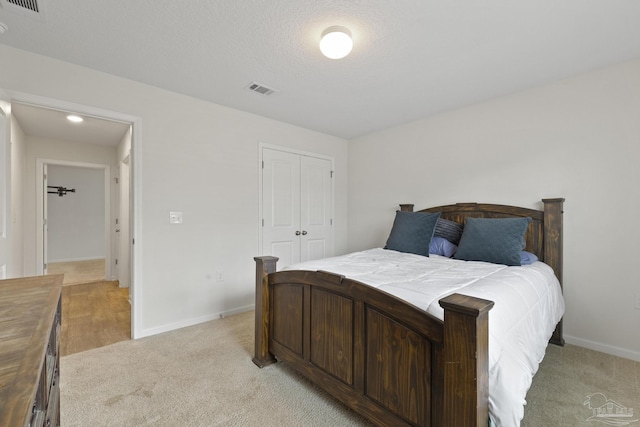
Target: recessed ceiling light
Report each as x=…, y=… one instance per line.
x=74, y=118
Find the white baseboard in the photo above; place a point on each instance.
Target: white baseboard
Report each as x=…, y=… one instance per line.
x=195, y=321
x=603, y=348
x=237, y=310
x=52, y=261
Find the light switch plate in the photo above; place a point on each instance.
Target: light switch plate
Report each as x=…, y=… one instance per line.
x=175, y=217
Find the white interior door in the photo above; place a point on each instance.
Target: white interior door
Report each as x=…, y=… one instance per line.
x=5, y=177
x=297, y=206
x=316, y=208
x=281, y=206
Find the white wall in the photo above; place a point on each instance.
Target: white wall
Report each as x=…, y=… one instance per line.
x=18, y=153
x=198, y=158
x=578, y=138
x=76, y=221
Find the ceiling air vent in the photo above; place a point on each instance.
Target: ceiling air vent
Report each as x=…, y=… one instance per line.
x=31, y=5
x=31, y=8
x=261, y=89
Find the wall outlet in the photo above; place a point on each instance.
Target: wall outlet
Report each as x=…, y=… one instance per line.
x=175, y=217
x=219, y=276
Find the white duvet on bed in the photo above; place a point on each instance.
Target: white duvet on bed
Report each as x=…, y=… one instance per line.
x=528, y=305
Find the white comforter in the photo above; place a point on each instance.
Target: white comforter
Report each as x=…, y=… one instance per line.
x=528, y=305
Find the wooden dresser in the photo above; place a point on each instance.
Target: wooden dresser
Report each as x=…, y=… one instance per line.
x=29, y=351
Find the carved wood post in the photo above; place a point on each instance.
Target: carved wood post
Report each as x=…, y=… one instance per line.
x=553, y=235
x=553, y=249
x=264, y=266
x=466, y=361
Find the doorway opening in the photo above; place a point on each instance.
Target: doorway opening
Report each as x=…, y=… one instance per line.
x=113, y=224
x=76, y=211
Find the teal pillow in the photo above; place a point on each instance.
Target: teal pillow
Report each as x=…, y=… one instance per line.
x=412, y=232
x=496, y=240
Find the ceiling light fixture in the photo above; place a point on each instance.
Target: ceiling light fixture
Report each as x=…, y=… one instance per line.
x=74, y=118
x=336, y=42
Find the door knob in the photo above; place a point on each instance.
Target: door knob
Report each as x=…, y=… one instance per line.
x=304, y=233
x=298, y=233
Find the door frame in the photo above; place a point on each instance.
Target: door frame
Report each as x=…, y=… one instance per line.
x=40, y=210
x=137, y=283
x=261, y=147
x=123, y=266
x=6, y=233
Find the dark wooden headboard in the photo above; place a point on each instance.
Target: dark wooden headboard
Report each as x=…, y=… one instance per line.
x=543, y=237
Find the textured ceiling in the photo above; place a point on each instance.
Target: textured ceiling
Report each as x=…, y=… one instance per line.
x=411, y=58
x=53, y=124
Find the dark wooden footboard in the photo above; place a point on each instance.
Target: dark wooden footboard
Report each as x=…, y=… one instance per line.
x=386, y=359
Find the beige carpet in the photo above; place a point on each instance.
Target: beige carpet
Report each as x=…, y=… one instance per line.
x=569, y=375
x=197, y=376
x=203, y=376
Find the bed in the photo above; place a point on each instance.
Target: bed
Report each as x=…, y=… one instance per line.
x=402, y=363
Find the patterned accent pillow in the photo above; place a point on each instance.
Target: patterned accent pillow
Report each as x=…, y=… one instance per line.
x=496, y=240
x=450, y=230
x=412, y=232
x=441, y=246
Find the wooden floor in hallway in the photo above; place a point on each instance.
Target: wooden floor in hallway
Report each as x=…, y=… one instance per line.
x=84, y=271
x=94, y=315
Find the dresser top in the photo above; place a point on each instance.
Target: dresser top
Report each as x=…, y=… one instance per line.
x=27, y=310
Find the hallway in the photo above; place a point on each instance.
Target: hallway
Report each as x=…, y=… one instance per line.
x=94, y=314
x=92, y=270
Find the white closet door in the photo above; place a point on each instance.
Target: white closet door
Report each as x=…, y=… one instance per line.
x=297, y=205
x=315, y=208
x=281, y=206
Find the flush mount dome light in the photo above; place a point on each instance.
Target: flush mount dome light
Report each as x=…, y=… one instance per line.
x=336, y=42
x=74, y=118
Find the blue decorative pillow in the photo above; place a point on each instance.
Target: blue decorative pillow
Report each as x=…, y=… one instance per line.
x=412, y=232
x=496, y=240
x=527, y=258
x=441, y=246
x=450, y=230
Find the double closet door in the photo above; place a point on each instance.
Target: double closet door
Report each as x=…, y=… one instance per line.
x=297, y=206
